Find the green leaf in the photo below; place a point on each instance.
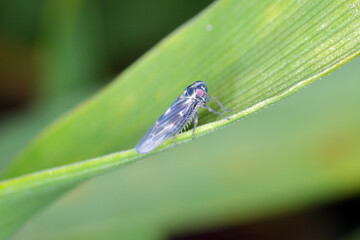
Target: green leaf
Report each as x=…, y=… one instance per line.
x=255, y=52
x=263, y=166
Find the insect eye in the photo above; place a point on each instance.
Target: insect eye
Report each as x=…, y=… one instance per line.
x=199, y=93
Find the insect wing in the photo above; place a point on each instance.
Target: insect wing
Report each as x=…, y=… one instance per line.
x=166, y=126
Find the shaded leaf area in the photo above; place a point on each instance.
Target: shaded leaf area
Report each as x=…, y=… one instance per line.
x=354, y=235
x=21, y=197
x=255, y=52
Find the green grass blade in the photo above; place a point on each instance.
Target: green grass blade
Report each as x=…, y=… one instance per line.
x=255, y=52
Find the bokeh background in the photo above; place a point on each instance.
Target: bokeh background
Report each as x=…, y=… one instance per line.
x=54, y=54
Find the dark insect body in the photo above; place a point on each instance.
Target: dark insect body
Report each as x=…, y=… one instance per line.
x=178, y=116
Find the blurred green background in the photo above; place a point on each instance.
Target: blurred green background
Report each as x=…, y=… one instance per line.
x=57, y=53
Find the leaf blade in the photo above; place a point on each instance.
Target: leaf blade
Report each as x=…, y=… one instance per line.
x=255, y=59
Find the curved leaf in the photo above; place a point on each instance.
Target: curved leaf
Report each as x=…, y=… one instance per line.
x=255, y=52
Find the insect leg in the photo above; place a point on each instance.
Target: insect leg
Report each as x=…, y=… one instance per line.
x=213, y=111
x=195, y=124
x=173, y=143
x=222, y=107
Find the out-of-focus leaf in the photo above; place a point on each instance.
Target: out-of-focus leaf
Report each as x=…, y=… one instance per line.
x=71, y=50
x=355, y=235
x=255, y=52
